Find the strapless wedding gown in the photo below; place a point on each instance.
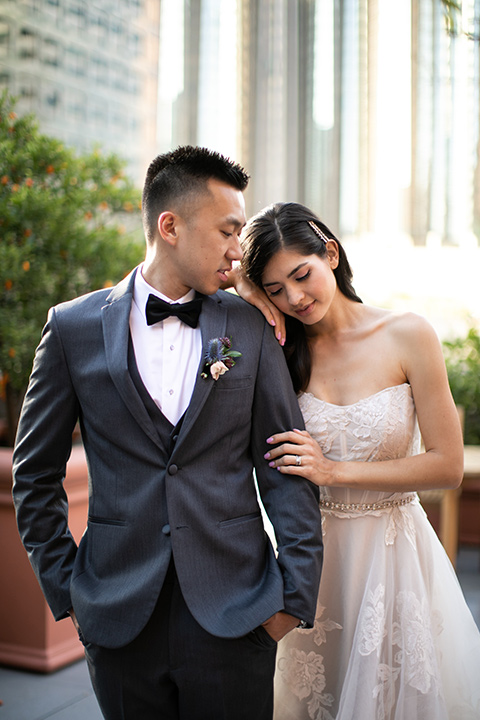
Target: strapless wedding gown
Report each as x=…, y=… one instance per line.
x=393, y=636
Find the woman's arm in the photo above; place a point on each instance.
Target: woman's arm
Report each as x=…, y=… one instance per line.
x=440, y=466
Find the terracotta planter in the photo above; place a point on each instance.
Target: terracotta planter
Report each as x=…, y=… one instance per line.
x=29, y=636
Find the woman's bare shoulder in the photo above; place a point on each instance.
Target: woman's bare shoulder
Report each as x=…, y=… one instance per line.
x=402, y=323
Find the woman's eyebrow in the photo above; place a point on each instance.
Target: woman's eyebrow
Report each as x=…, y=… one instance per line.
x=288, y=276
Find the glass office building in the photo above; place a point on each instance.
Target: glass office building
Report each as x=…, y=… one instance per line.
x=88, y=69
x=366, y=110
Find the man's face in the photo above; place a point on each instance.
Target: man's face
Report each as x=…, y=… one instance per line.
x=208, y=240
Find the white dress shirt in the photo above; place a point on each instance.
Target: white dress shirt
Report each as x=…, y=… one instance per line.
x=167, y=353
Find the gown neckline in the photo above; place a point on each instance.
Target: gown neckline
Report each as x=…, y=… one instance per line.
x=361, y=400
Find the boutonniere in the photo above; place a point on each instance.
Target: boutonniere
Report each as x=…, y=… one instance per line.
x=219, y=357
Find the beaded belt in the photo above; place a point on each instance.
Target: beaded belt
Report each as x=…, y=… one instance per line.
x=333, y=506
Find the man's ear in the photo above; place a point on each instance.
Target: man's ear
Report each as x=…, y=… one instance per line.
x=167, y=227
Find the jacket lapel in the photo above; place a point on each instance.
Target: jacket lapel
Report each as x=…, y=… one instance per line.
x=213, y=322
x=116, y=332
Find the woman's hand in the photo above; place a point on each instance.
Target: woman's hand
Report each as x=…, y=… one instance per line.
x=256, y=297
x=297, y=453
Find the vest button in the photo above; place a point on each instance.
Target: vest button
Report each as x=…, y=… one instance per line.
x=172, y=470
x=166, y=529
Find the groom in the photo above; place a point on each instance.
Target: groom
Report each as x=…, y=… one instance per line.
x=175, y=589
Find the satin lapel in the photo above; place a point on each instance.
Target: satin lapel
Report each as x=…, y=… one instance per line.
x=213, y=321
x=116, y=329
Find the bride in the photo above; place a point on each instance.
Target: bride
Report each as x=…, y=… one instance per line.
x=393, y=637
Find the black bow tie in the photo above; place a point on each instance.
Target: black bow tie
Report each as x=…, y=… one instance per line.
x=157, y=310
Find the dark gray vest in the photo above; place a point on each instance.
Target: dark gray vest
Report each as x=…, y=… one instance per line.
x=166, y=431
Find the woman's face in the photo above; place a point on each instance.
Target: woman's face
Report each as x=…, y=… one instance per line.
x=302, y=286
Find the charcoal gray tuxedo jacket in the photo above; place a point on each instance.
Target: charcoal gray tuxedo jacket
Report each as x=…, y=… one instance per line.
x=192, y=499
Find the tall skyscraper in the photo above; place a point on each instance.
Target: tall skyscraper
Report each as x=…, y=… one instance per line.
x=88, y=69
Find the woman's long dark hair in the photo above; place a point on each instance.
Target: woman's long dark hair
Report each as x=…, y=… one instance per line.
x=286, y=226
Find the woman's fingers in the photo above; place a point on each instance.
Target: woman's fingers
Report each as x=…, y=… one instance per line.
x=288, y=460
x=297, y=453
x=292, y=436
x=281, y=450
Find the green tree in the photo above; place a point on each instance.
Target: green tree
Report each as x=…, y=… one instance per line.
x=462, y=357
x=69, y=224
x=453, y=12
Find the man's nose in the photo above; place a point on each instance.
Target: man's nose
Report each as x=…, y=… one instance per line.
x=235, y=251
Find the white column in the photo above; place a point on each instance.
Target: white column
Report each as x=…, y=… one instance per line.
x=393, y=115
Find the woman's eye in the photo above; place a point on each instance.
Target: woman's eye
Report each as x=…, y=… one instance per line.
x=303, y=277
x=273, y=293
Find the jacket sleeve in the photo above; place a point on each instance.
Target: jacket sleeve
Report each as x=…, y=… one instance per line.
x=42, y=449
x=291, y=502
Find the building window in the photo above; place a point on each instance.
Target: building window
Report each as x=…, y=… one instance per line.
x=117, y=32
x=97, y=113
x=119, y=76
x=76, y=106
x=51, y=101
x=32, y=8
x=27, y=43
x=52, y=52
x=117, y=119
x=4, y=38
x=76, y=62
x=133, y=83
x=26, y=91
x=135, y=6
x=52, y=7
x=4, y=80
x=133, y=44
x=99, y=70
x=77, y=15
x=99, y=25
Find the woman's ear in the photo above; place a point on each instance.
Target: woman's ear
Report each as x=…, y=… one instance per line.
x=167, y=227
x=332, y=254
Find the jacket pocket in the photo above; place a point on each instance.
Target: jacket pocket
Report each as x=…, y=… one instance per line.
x=262, y=638
x=239, y=520
x=105, y=521
x=232, y=382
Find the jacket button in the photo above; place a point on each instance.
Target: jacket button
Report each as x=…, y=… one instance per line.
x=166, y=529
x=175, y=438
x=173, y=469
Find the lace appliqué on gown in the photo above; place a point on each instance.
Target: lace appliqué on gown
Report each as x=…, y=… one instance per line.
x=412, y=642
x=304, y=673
x=372, y=624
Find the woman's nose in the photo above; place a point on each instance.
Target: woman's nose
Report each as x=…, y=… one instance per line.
x=295, y=297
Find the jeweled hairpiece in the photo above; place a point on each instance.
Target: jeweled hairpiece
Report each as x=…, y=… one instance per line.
x=318, y=232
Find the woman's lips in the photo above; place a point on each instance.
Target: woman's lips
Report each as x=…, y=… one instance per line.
x=306, y=310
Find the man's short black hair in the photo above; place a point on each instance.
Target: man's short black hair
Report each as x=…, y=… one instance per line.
x=177, y=177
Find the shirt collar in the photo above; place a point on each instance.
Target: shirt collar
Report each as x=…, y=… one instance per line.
x=141, y=291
